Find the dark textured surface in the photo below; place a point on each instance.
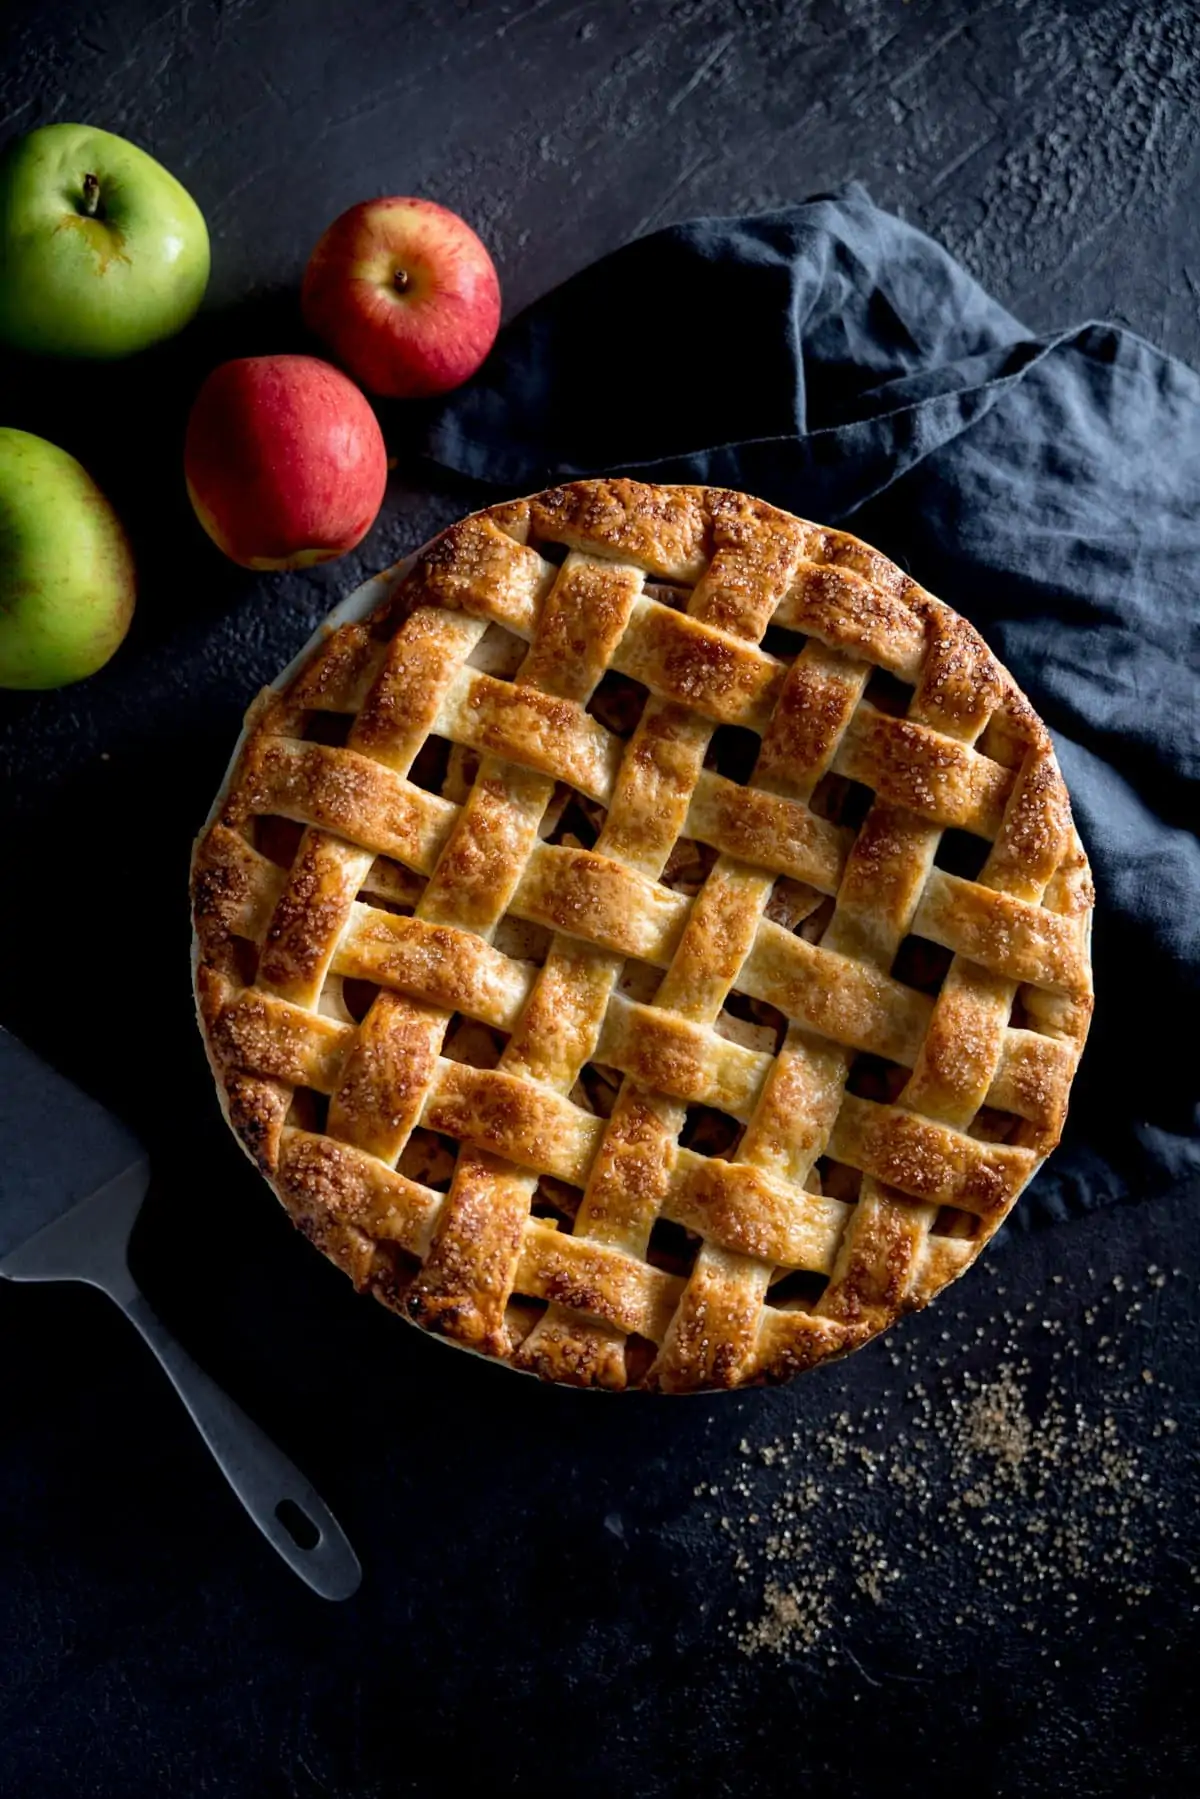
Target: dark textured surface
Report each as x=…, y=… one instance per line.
x=547, y=1597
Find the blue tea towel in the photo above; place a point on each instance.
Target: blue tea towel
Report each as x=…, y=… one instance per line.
x=836, y=361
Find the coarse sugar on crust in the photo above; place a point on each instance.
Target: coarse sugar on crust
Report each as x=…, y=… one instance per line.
x=466, y=939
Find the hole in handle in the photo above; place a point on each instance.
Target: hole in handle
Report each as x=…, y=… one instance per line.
x=299, y=1526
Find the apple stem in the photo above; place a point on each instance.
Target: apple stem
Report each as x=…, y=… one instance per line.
x=91, y=196
x=400, y=280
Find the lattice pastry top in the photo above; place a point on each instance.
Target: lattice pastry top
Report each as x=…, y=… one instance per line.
x=651, y=947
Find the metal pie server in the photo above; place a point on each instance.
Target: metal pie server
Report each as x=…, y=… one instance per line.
x=72, y=1180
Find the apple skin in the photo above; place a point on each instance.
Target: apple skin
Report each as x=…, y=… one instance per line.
x=67, y=585
x=102, y=284
x=285, y=461
x=405, y=295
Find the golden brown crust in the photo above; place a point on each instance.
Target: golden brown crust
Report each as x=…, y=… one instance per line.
x=874, y=1113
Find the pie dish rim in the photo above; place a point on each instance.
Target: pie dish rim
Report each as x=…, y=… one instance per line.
x=364, y=600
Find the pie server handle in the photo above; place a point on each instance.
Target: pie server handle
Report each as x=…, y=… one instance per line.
x=286, y=1508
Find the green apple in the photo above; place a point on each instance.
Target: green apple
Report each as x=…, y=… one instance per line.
x=66, y=569
x=102, y=252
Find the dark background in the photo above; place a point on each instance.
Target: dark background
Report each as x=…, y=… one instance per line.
x=547, y=1599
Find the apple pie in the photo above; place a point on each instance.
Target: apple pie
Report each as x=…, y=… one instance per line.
x=644, y=939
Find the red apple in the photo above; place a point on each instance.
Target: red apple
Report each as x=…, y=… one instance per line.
x=285, y=461
x=405, y=295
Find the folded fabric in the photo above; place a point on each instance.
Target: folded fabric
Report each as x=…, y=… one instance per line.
x=836, y=361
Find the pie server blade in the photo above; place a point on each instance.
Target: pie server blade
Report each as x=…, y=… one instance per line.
x=72, y=1180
